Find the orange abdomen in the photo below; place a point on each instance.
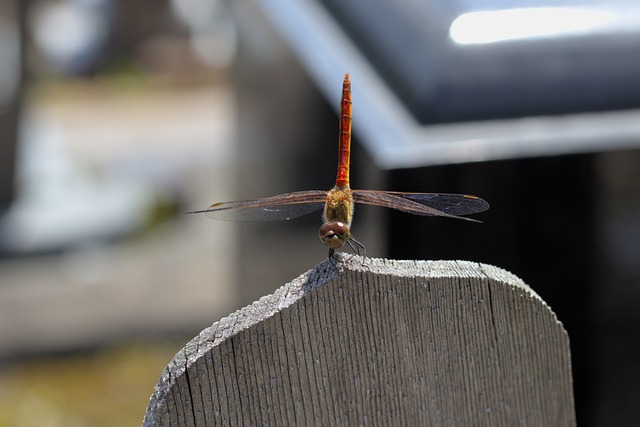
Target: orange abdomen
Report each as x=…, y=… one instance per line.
x=344, y=147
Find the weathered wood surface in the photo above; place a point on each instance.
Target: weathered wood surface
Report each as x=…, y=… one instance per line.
x=377, y=342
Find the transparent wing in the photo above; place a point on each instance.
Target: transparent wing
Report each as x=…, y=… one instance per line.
x=280, y=207
x=426, y=204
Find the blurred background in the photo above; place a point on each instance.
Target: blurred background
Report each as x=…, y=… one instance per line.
x=117, y=117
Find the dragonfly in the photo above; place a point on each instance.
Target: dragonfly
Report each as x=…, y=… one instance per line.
x=338, y=203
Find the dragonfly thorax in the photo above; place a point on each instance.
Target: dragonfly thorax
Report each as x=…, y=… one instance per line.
x=337, y=215
x=338, y=206
x=334, y=234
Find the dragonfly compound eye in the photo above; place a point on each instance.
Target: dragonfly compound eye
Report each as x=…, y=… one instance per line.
x=334, y=234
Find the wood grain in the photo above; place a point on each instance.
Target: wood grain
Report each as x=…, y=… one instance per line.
x=377, y=342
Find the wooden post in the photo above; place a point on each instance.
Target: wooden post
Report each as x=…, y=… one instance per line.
x=377, y=342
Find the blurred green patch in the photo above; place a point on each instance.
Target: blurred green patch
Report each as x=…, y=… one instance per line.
x=103, y=388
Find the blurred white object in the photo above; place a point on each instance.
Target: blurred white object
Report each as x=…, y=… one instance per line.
x=61, y=205
x=70, y=34
x=538, y=22
x=213, y=34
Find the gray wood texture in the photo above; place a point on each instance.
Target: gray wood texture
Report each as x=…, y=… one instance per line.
x=377, y=342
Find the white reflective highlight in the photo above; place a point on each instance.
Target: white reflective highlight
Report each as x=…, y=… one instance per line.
x=526, y=23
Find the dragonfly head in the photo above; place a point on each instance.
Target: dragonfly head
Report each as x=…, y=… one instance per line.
x=334, y=234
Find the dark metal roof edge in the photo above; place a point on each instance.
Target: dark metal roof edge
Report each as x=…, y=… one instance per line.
x=380, y=117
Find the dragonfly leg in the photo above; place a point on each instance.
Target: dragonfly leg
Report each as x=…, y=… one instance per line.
x=357, y=247
x=333, y=259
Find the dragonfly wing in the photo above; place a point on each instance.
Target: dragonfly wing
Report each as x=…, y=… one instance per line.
x=283, y=206
x=425, y=204
x=454, y=204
